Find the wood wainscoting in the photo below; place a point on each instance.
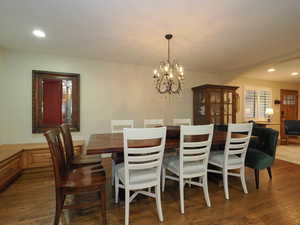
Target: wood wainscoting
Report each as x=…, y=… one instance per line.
x=16, y=158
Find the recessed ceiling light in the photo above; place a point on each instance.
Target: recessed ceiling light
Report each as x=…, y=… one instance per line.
x=294, y=73
x=39, y=33
x=271, y=70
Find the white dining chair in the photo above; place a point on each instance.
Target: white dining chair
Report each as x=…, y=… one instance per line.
x=141, y=168
x=179, y=122
x=233, y=157
x=117, y=126
x=191, y=162
x=148, y=123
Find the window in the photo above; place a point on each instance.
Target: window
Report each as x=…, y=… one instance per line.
x=257, y=100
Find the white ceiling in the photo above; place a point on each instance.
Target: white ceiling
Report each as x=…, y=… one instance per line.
x=283, y=71
x=210, y=35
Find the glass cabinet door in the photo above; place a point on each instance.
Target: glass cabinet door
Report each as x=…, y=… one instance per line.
x=228, y=106
x=215, y=102
x=200, y=113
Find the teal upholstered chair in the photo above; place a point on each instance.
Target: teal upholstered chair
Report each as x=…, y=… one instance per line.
x=261, y=151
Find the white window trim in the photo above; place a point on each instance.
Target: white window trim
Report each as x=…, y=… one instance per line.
x=256, y=88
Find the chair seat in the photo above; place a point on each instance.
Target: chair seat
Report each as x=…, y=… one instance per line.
x=217, y=158
x=189, y=168
x=257, y=159
x=84, y=178
x=291, y=132
x=137, y=177
x=83, y=160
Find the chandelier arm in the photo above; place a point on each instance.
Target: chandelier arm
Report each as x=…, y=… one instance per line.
x=159, y=86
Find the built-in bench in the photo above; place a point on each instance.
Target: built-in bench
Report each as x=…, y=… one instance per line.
x=16, y=158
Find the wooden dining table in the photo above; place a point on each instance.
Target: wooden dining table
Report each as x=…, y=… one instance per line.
x=113, y=142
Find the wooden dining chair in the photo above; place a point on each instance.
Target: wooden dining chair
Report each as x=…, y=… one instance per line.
x=233, y=156
x=192, y=160
x=72, y=160
x=142, y=167
x=179, y=122
x=74, y=181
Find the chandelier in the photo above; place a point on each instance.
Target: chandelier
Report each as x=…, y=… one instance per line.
x=168, y=78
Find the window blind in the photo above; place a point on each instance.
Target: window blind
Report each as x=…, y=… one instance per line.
x=256, y=102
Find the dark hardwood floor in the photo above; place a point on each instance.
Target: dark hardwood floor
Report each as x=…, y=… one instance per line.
x=30, y=201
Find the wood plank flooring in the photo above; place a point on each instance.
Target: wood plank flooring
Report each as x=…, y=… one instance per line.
x=30, y=201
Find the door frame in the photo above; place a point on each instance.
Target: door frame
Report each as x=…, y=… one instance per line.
x=282, y=133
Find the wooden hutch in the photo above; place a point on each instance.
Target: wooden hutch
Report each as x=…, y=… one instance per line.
x=214, y=104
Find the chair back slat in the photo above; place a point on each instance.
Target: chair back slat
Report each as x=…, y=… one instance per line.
x=146, y=150
x=143, y=166
x=237, y=146
x=195, y=151
x=239, y=140
x=179, y=122
x=68, y=143
x=236, y=152
x=150, y=123
x=195, y=157
x=117, y=126
x=143, y=158
x=195, y=144
x=57, y=154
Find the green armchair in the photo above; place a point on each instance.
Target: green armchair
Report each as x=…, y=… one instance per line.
x=261, y=151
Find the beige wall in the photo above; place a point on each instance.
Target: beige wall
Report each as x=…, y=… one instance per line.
x=274, y=86
x=1, y=95
x=108, y=91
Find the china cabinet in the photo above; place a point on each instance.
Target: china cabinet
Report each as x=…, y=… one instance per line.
x=214, y=104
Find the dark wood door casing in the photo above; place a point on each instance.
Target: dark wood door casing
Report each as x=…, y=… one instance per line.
x=288, y=108
x=38, y=124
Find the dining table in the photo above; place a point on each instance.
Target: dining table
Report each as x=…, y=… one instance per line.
x=113, y=142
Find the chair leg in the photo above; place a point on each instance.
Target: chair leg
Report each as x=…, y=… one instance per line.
x=102, y=194
x=117, y=181
x=205, y=190
x=158, y=203
x=270, y=172
x=163, y=179
x=59, y=206
x=190, y=180
x=243, y=180
x=113, y=165
x=257, y=178
x=181, y=190
x=225, y=183
x=126, y=206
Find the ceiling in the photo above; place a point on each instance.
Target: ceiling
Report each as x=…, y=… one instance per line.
x=283, y=70
x=209, y=35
